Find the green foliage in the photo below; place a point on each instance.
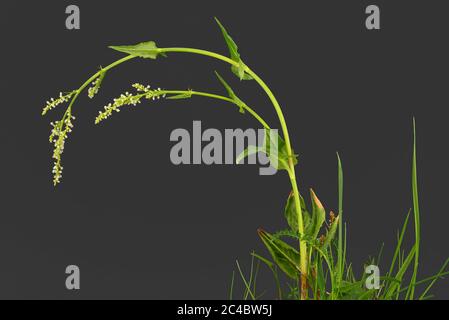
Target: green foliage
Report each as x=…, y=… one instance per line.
x=291, y=214
x=318, y=215
x=147, y=50
x=319, y=269
x=234, y=54
x=278, y=156
x=231, y=94
x=330, y=276
x=285, y=256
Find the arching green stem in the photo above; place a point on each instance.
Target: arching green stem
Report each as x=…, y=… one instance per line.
x=292, y=174
x=277, y=107
x=216, y=96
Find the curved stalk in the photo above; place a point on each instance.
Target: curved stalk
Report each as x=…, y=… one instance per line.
x=92, y=78
x=277, y=107
x=291, y=172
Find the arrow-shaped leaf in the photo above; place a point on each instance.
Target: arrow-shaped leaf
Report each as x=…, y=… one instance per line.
x=231, y=93
x=144, y=50
x=318, y=215
x=285, y=256
x=279, y=158
x=234, y=54
x=291, y=214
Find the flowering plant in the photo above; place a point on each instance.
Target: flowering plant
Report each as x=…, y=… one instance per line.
x=311, y=252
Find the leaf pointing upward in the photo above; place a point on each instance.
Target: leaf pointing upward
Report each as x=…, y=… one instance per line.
x=231, y=93
x=239, y=70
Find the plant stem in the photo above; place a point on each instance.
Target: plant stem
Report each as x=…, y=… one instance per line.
x=292, y=174
x=277, y=107
x=216, y=96
x=88, y=81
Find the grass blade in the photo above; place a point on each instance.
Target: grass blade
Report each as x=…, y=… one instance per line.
x=411, y=292
x=398, y=246
x=341, y=257
x=231, y=289
x=400, y=274
x=438, y=276
x=272, y=267
x=248, y=286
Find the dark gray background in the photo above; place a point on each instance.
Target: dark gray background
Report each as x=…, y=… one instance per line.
x=140, y=227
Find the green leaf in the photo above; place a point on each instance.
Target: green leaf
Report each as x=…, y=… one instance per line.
x=411, y=292
x=272, y=267
x=400, y=274
x=291, y=215
x=247, y=152
x=234, y=54
x=272, y=138
x=279, y=159
x=232, y=46
x=318, y=215
x=436, y=277
x=351, y=291
x=240, y=71
x=285, y=256
x=331, y=233
x=399, y=245
x=231, y=94
x=144, y=50
x=341, y=256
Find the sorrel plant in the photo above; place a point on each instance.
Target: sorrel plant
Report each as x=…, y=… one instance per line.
x=317, y=272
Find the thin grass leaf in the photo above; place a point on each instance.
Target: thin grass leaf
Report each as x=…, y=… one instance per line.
x=417, y=283
x=256, y=273
x=379, y=256
x=330, y=268
x=231, y=289
x=248, y=287
x=250, y=280
x=399, y=244
x=341, y=256
x=434, y=280
x=272, y=267
x=410, y=294
x=331, y=233
x=400, y=274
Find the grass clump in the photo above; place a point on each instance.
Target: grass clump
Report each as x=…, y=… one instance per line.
x=312, y=251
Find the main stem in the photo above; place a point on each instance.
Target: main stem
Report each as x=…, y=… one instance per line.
x=291, y=171
x=292, y=176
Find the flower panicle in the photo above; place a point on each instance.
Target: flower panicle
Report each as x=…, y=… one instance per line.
x=58, y=136
x=128, y=99
x=53, y=103
x=96, y=85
